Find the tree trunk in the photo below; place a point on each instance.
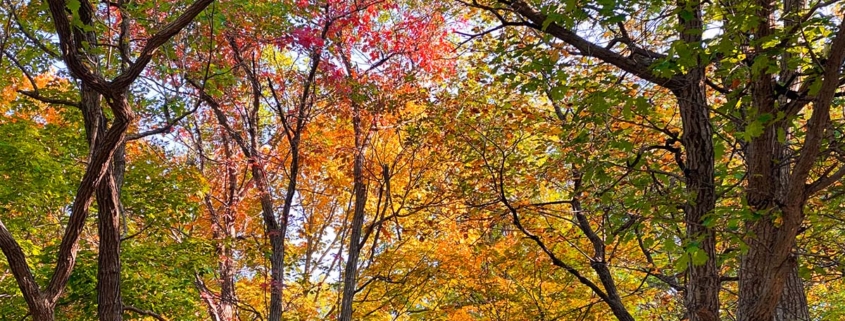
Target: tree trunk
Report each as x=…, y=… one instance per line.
x=273, y=229
x=45, y=312
x=702, y=294
x=228, y=304
x=276, y=233
x=360, y=189
x=793, y=302
x=109, y=302
x=110, y=306
x=109, y=299
x=776, y=199
x=224, y=233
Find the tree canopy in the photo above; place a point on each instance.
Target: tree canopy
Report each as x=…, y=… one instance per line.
x=422, y=160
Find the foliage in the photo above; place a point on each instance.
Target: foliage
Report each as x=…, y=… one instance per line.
x=537, y=160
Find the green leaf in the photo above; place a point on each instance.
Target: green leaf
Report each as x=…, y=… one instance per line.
x=681, y=263
x=74, y=6
x=816, y=86
x=719, y=150
x=553, y=17
x=699, y=257
x=754, y=129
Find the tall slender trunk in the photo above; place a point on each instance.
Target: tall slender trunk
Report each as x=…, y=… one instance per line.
x=276, y=233
x=274, y=230
x=109, y=297
x=109, y=302
x=109, y=305
x=228, y=301
x=222, y=306
x=360, y=189
x=224, y=232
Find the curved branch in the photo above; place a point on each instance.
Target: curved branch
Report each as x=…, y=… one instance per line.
x=148, y=313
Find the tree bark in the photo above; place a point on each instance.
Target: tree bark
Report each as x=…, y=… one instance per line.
x=350, y=273
x=765, y=268
x=109, y=303
x=46, y=312
x=223, y=230
x=702, y=293
x=793, y=302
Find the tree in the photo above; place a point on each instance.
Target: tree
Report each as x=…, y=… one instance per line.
x=410, y=160
x=688, y=68
x=75, y=49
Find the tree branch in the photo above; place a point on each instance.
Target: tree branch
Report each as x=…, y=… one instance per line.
x=144, y=312
x=156, y=41
x=539, y=21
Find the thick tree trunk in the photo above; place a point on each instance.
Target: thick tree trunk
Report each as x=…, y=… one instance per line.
x=777, y=198
x=793, y=302
x=44, y=312
x=350, y=275
x=702, y=294
x=109, y=307
x=761, y=271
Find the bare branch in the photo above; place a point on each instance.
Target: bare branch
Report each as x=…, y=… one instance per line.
x=144, y=312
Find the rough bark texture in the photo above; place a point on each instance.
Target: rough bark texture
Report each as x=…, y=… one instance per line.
x=765, y=269
x=350, y=272
x=109, y=307
x=793, y=302
x=702, y=294
x=779, y=197
x=39, y=306
x=764, y=185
